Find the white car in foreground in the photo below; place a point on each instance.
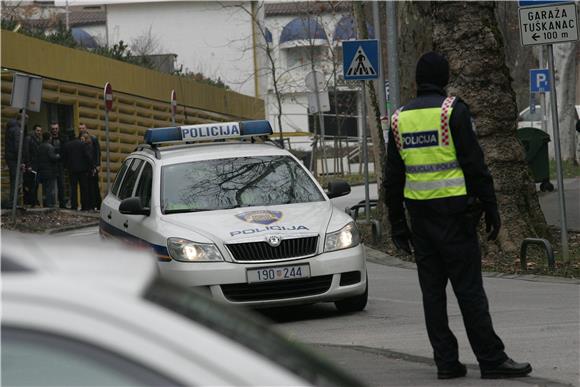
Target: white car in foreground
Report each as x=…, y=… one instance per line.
x=99, y=315
x=244, y=220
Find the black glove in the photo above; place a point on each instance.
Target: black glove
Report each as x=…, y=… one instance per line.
x=492, y=221
x=401, y=236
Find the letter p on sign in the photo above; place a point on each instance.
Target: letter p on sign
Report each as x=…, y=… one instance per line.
x=540, y=81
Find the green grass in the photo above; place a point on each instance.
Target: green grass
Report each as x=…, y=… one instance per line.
x=570, y=169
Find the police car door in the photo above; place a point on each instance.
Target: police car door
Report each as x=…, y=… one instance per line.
x=120, y=222
x=142, y=226
x=110, y=205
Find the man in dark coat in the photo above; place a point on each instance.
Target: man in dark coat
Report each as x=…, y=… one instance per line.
x=78, y=161
x=436, y=169
x=57, y=142
x=30, y=181
x=47, y=169
x=11, y=143
x=94, y=189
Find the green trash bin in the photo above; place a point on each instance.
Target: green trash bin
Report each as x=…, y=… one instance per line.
x=535, y=142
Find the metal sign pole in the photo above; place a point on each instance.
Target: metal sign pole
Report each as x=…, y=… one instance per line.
x=19, y=158
x=108, y=150
x=173, y=106
x=543, y=95
x=108, y=99
x=365, y=152
x=320, y=121
x=393, y=54
x=554, y=109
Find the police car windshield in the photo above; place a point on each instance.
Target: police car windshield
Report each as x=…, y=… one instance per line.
x=235, y=182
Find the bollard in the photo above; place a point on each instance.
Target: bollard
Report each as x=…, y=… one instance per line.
x=540, y=242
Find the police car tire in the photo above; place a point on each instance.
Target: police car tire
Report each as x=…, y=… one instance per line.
x=355, y=303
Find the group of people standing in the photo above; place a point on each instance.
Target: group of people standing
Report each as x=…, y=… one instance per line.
x=45, y=157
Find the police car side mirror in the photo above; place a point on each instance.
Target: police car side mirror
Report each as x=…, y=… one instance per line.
x=337, y=188
x=133, y=206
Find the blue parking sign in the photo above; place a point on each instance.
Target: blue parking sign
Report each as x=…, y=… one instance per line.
x=360, y=59
x=539, y=80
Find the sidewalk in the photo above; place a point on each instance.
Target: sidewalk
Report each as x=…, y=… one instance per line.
x=383, y=368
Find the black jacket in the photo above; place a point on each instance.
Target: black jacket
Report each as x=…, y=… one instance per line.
x=12, y=136
x=77, y=156
x=478, y=180
x=96, y=148
x=58, y=144
x=47, y=161
x=31, y=145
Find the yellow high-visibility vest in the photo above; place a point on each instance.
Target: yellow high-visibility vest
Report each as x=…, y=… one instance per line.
x=424, y=141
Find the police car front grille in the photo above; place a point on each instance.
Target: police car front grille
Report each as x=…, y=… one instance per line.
x=277, y=290
x=262, y=251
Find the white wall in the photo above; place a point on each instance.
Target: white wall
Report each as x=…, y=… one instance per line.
x=208, y=37
x=291, y=83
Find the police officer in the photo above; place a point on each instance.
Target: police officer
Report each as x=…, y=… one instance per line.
x=435, y=168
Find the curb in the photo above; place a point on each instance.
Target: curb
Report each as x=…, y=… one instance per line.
x=381, y=258
x=71, y=227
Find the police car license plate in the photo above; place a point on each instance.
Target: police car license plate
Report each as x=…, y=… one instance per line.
x=278, y=273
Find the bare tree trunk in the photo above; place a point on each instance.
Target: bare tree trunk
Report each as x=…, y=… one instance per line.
x=374, y=121
x=474, y=46
x=565, y=76
x=415, y=39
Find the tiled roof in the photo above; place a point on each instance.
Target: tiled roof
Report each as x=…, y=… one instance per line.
x=306, y=7
x=76, y=18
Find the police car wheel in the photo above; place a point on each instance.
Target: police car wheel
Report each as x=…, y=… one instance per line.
x=355, y=303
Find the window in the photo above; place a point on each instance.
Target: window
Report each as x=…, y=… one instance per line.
x=341, y=120
x=36, y=358
x=236, y=182
x=128, y=184
x=119, y=177
x=301, y=56
x=144, y=186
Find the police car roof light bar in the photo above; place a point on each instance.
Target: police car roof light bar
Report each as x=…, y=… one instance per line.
x=208, y=132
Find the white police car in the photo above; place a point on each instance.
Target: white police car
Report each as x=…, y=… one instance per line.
x=245, y=220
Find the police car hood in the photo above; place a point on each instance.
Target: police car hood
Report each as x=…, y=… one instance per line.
x=254, y=223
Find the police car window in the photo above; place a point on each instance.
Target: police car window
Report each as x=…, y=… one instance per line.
x=119, y=176
x=130, y=179
x=144, y=186
x=236, y=182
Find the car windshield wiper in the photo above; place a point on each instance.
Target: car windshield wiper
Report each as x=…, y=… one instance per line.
x=184, y=210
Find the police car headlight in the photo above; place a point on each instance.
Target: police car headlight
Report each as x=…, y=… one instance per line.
x=346, y=237
x=188, y=251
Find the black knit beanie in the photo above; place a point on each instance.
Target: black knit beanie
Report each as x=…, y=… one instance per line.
x=432, y=68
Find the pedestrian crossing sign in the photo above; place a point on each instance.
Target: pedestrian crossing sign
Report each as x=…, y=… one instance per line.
x=360, y=59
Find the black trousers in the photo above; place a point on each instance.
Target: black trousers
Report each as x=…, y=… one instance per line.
x=447, y=249
x=60, y=188
x=80, y=179
x=95, y=191
x=12, y=175
x=30, y=188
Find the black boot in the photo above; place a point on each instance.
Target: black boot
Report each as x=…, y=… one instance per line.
x=507, y=369
x=457, y=371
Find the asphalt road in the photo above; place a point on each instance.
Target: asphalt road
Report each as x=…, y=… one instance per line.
x=549, y=201
x=538, y=322
x=386, y=345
